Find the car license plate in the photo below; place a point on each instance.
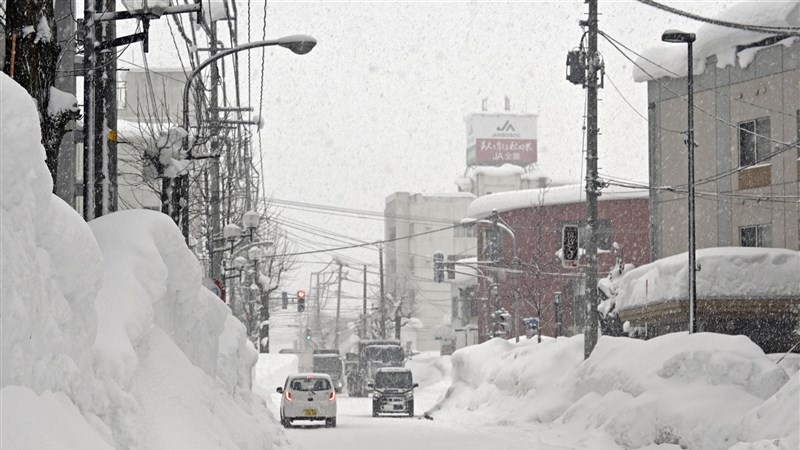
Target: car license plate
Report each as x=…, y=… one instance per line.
x=309, y=412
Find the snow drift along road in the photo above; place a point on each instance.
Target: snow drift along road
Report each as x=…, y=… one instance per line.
x=108, y=338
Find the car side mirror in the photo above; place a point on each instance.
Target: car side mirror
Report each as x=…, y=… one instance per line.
x=279, y=390
x=415, y=385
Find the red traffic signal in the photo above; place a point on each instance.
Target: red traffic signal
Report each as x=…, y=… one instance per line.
x=301, y=295
x=301, y=301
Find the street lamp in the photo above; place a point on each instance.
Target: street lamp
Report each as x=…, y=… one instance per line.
x=680, y=37
x=299, y=44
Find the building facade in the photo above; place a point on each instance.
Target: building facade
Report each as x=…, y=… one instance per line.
x=746, y=155
x=416, y=226
x=538, y=285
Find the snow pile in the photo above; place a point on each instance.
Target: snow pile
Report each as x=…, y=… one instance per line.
x=704, y=390
x=720, y=41
x=749, y=272
x=108, y=337
x=610, y=287
x=271, y=371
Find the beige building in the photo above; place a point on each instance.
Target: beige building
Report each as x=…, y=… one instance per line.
x=409, y=262
x=746, y=158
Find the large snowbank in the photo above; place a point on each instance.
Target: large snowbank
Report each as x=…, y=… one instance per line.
x=108, y=338
x=704, y=390
x=713, y=40
x=747, y=272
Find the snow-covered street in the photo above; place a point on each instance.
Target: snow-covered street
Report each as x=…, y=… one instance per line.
x=356, y=425
x=356, y=428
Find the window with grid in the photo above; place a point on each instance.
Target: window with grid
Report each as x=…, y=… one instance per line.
x=755, y=236
x=754, y=143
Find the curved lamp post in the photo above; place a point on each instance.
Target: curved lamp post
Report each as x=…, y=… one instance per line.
x=299, y=44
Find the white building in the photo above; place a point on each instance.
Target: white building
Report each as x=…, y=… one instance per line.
x=416, y=226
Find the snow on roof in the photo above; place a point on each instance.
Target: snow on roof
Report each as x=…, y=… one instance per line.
x=466, y=272
x=720, y=41
x=574, y=193
x=725, y=272
x=448, y=194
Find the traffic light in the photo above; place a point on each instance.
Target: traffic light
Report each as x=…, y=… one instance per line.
x=308, y=334
x=301, y=301
x=570, y=246
x=502, y=323
x=284, y=300
x=438, y=267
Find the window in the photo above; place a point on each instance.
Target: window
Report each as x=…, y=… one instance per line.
x=121, y=90
x=755, y=236
x=754, y=144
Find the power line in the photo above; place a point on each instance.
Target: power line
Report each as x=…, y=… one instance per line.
x=790, y=31
x=787, y=146
x=379, y=242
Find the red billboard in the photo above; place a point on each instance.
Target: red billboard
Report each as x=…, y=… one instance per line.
x=505, y=151
x=497, y=139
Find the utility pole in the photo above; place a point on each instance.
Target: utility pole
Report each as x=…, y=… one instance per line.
x=557, y=303
x=318, y=305
x=106, y=115
x=338, y=308
x=516, y=315
x=364, y=333
x=90, y=107
x=383, y=296
x=593, y=65
x=213, y=168
x=494, y=252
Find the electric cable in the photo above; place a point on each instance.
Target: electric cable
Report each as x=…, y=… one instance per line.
x=793, y=31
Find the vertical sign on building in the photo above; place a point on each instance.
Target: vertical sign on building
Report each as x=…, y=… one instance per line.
x=570, y=247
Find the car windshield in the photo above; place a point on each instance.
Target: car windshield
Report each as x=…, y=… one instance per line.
x=391, y=379
x=309, y=384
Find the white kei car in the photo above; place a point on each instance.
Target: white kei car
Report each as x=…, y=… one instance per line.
x=308, y=396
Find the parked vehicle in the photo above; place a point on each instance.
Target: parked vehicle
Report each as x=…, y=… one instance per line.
x=373, y=355
x=308, y=396
x=328, y=361
x=393, y=392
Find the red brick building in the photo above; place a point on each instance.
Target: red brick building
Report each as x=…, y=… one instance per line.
x=536, y=217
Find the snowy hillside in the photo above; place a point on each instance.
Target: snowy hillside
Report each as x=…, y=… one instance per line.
x=108, y=338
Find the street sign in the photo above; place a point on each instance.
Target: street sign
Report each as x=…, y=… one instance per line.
x=570, y=246
x=216, y=287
